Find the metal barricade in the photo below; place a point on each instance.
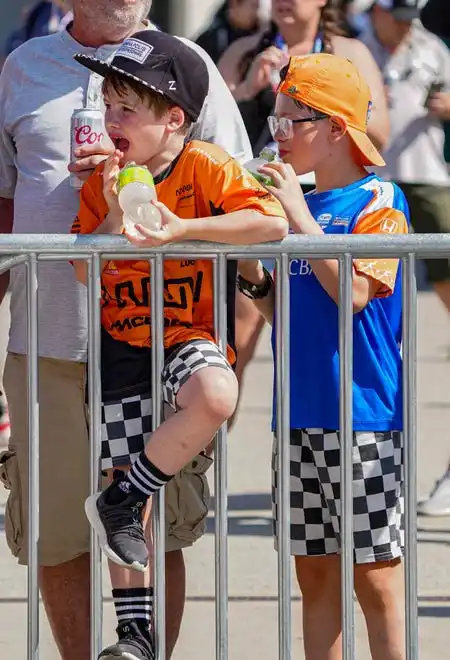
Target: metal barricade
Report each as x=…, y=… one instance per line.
x=30, y=250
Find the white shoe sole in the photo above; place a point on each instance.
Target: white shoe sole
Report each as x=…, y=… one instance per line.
x=90, y=507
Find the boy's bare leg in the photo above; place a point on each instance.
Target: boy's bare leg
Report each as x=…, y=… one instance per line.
x=319, y=579
x=379, y=588
x=175, y=598
x=380, y=591
x=205, y=402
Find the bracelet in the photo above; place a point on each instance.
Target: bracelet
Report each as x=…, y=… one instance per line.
x=255, y=291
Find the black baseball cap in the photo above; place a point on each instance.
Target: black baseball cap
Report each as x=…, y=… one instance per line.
x=161, y=62
x=402, y=10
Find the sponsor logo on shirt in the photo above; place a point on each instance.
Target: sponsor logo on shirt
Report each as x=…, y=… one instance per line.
x=389, y=226
x=299, y=267
x=111, y=269
x=341, y=222
x=187, y=188
x=324, y=219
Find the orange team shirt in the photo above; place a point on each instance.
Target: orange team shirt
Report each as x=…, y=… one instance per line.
x=203, y=181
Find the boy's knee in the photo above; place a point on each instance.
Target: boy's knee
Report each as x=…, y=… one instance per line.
x=220, y=395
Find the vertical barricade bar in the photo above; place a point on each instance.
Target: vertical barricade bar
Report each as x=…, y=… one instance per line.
x=282, y=324
x=346, y=440
x=158, y=500
x=33, y=467
x=409, y=289
x=221, y=472
x=94, y=392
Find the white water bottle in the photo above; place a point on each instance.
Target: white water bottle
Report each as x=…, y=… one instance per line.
x=266, y=156
x=136, y=190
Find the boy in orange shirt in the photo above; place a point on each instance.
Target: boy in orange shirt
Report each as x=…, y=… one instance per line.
x=153, y=89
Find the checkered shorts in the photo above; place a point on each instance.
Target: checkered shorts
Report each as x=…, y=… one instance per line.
x=127, y=422
x=315, y=494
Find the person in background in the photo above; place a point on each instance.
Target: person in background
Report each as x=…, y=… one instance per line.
x=416, y=70
x=43, y=18
x=356, y=16
x=41, y=80
x=250, y=68
x=320, y=122
x=234, y=19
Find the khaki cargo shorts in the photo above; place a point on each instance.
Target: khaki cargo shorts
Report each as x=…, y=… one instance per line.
x=64, y=469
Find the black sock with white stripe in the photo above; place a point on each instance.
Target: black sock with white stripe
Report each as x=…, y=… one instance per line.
x=135, y=605
x=145, y=477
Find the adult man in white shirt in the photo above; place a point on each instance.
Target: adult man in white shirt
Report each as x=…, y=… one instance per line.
x=40, y=86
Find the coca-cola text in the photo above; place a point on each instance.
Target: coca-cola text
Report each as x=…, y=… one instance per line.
x=85, y=135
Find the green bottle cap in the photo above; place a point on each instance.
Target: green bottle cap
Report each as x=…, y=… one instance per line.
x=132, y=173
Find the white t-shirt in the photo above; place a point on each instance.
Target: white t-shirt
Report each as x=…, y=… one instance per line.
x=415, y=152
x=40, y=86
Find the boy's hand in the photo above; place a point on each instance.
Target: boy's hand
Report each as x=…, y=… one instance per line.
x=88, y=157
x=289, y=193
x=173, y=229
x=110, y=174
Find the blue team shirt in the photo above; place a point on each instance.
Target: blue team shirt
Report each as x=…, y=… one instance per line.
x=369, y=206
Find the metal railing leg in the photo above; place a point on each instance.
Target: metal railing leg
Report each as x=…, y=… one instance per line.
x=94, y=392
x=282, y=323
x=158, y=500
x=33, y=465
x=221, y=473
x=346, y=439
x=409, y=290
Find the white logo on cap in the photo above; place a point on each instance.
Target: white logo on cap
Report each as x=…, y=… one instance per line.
x=172, y=86
x=134, y=49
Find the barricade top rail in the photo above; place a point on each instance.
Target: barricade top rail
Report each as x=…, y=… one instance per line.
x=329, y=246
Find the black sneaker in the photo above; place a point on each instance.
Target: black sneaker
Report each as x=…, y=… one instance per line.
x=132, y=645
x=119, y=525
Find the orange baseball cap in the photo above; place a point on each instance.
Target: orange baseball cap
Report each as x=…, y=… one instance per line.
x=334, y=86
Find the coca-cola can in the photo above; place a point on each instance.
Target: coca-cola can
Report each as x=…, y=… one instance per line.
x=87, y=128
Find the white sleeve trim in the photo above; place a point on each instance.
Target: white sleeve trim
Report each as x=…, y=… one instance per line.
x=383, y=197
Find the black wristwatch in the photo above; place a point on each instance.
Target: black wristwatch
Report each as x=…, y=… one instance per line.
x=255, y=291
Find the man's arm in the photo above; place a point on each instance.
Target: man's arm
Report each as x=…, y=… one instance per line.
x=6, y=225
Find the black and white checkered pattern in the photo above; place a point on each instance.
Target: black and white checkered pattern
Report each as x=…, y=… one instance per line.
x=315, y=494
x=126, y=427
x=185, y=362
x=127, y=422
